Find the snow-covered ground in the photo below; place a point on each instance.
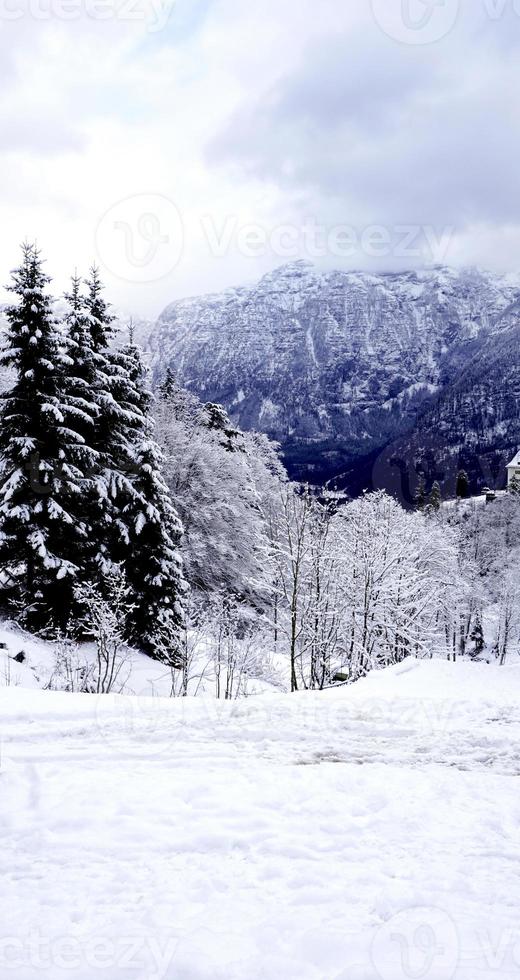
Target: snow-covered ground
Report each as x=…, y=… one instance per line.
x=136, y=673
x=363, y=833
x=139, y=675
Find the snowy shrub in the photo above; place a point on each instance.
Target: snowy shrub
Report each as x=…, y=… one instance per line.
x=105, y=620
x=72, y=671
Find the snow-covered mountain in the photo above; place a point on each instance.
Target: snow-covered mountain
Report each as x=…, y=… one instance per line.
x=474, y=423
x=338, y=365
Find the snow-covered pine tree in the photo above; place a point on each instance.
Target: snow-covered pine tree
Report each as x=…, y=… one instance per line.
x=420, y=493
x=82, y=385
x=148, y=528
x=215, y=418
x=81, y=346
x=435, y=497
x=42, y=454
x=514, y=486
x=477, y=636
x=168, y=385
x=115, y=417
x=108, y=375
x=101, y=321
x=89, y=329
x=137, y=528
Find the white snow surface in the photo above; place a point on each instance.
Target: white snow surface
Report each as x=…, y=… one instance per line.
x=363, y=833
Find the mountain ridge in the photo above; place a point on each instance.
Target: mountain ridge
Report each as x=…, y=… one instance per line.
x=334, y=365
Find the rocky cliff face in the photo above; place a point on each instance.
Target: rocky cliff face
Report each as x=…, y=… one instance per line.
x=474, y=423
x=337, y=366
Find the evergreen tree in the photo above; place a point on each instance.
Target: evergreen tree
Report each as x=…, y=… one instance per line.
x=420, y=493
x=139, y=531
x=435, y=498
x=42, y=457
x=514, y=486
x=148, y=526
x=81, y=493
x=477, y=637
x=101, y=321
x=168, y=385
x=115, y=417
x=216, y=418
x=462, y=485
x=89, y=324
x=105, y=374
x=82, y=383
x=84, y=356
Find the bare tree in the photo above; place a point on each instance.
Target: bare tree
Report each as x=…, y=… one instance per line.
x=234, y=640
x=508, y=616
x=72, y=671
x=290, y=551
x=105, y=619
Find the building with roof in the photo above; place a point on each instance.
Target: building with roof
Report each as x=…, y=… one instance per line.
x=513, y=470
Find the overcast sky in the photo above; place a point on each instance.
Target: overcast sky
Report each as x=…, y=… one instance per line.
x=194, y=146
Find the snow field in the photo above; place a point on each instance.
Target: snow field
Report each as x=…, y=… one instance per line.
x=363, y=833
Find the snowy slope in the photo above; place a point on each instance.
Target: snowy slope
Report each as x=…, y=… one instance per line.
x=353, y=835
x=137, y=674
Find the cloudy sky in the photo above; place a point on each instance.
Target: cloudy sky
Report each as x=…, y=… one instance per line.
x=193, y=145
